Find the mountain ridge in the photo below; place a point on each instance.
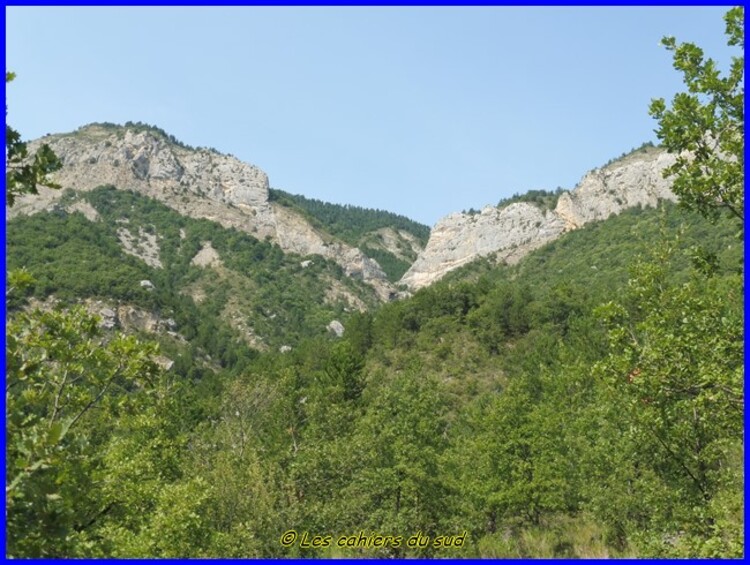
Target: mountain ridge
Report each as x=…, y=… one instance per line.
x=199, y=183
x=204, y=183
x=513, y=230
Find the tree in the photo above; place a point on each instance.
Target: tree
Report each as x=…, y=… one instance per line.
x=23, y=174
x=396, y=485
x=705, y=126
x=67, y=388
x=675, y=376
x=675, y=368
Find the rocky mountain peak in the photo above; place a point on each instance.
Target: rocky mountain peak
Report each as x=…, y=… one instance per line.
x=196, y=182
x=146, y=160
x=514, y=230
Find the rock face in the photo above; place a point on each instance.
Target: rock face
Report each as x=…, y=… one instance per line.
x=634, y=180
x=515, y=230
x=143, y=245
x=207, y=256
x=336, y=327
x=199, y=183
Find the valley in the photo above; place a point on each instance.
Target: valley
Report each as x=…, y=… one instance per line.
x=225, y=363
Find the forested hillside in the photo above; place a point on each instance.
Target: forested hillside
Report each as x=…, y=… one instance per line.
x=359, y=227
x=505, y=402
x=253, y=294
x=187, y=396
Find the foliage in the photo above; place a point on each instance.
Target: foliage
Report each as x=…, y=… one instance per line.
x=544, y=199
x=586, y=402
x=471, y=406
x=71, y=257
x=391, y=265
x=705, y=126
x=676, y=367
x=349, y=222
x=23, y=173
x=358, y=227
x=67, y=393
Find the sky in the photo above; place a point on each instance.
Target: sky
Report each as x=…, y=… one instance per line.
x=419, y=111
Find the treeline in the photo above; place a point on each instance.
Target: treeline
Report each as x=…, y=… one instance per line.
x=355, y=225
x=544, y=199
x=393, y=266
x=350, y=223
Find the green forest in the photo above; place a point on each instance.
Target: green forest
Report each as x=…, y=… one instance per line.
x=71, y=257
x=357, y=226
x=586, y=402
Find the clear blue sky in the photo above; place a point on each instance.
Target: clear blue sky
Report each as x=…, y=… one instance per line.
x=421, y=111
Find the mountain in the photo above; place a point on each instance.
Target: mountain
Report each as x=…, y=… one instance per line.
x=247, y=385
x=198, y=183
x=377, y=247
x=191, y=247
x=394, y=241
x=232, y=263
x=512, y=230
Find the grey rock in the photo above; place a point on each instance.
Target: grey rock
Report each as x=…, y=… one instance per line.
x=515, y=230
x=196, y=183
x=336, y=327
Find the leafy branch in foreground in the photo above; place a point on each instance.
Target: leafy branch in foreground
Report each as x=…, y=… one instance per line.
x=22, y=173
x=705, y=126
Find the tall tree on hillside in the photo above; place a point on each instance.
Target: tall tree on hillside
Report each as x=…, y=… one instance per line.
x=675, y=367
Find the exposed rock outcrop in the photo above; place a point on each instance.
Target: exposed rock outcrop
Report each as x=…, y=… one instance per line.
x=336, y=327
x=134, y=318
x=143, y=245
x=515, y=230
x=115, y=316
x=338, y=293
x=207, y=256
x=88, y=211
x=632, y=181
x=199, y=183
x=295, y=234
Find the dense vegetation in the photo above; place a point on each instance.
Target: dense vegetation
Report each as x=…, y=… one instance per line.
x=357, y=226
x=587, y=402
x=500, y=402
x=71, y=257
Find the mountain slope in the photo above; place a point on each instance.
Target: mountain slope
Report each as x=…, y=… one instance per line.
x=547, y=408
x=394, y=241
x=199, y=183
x=513, y=230
x=200, y=273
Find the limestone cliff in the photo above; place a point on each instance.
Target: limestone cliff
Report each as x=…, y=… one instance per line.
x=513, y=231
x=199, y=183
